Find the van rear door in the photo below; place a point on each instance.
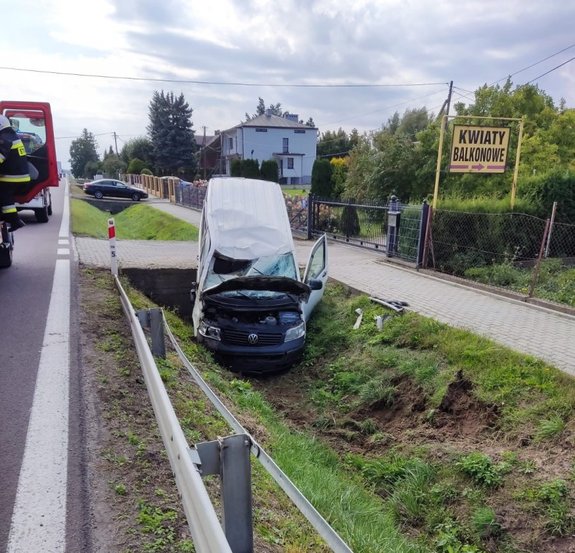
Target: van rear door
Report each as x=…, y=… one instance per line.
x=315, y=270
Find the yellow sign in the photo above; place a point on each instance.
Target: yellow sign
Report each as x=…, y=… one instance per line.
x=479, y=149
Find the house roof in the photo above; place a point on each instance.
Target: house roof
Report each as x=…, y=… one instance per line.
x=273, y=121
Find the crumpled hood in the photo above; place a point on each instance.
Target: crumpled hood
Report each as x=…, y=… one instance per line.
x=267, y=283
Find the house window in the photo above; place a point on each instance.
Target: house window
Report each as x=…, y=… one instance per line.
x=290, y=162
x=299, y=131
x=285, y=145
x=230, y=144
x=261, y=130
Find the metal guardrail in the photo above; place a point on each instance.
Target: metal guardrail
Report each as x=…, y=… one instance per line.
x=207, y=533
x=306, y=508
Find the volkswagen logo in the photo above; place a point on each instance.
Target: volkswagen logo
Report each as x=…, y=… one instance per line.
x=252, y=339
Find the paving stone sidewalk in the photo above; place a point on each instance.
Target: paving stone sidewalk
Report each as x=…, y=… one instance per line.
x=530, y=329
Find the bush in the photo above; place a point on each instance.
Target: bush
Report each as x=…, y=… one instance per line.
x=136, y=166
x=555, y=186
x=269, y=170
x=250, y=169
x=321, y=184
x=236, y=168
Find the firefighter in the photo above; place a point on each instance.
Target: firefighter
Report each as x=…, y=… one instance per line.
x=13, y=172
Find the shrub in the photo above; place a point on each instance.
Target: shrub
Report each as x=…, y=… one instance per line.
x=136, y=166
x=269, y=170
x=555, y=186
x=321, y=184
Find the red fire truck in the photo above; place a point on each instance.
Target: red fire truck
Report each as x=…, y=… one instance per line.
x=33, y=122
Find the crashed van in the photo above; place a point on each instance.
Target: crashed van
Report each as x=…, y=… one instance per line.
x=251, y=304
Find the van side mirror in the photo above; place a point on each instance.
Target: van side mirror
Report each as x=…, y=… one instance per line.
x=315, y=284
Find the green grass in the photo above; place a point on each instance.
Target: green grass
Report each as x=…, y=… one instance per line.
x=301, y=192
x=138, y=222
x=556, y=282
x=402, y=490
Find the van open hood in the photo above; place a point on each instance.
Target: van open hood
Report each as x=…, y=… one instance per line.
x=267, y=283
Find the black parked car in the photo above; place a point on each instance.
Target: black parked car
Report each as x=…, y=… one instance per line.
x=112, y=187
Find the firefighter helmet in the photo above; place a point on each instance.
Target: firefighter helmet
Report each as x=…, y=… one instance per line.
x=4, y=122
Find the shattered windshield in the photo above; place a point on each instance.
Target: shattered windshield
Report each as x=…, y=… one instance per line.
x=223, y=268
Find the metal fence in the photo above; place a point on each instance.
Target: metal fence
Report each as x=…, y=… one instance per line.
x=486, y=247
x=462, y=240
x=394, y=229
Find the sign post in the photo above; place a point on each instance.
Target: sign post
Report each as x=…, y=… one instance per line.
x=112, y=242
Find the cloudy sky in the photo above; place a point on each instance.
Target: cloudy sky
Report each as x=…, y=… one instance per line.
x=99, y=62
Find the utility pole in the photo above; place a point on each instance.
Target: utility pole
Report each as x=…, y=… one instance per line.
x=116, y=142
x=449, y=97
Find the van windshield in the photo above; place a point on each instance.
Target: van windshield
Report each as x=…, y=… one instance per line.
x=223, y=268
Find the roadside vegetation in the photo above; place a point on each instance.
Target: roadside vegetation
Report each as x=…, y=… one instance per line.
x=555, y=282
x=416, y=438
x=137, y=222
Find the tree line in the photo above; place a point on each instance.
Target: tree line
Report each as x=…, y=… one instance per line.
x=168, y=149
x=399, y=158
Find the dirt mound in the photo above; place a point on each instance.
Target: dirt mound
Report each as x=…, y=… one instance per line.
x=461, y=413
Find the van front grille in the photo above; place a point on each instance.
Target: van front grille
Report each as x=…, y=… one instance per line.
x=241, y=338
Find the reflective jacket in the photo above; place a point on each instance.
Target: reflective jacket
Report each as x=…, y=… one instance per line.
x=13, y=161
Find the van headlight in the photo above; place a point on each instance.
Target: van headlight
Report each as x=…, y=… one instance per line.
x=295, y=332
x=209, y=331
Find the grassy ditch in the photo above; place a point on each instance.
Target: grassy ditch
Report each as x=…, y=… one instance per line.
x=138, y=222
x=415, y=438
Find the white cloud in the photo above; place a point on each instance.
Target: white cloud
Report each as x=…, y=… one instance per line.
x=269, y=42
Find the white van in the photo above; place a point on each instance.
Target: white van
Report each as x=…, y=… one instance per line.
x=250, y=303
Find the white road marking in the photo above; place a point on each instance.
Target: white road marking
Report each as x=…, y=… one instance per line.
x=39, y=516
x=63, y=251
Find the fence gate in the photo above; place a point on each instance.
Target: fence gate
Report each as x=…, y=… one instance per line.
x=395, y=229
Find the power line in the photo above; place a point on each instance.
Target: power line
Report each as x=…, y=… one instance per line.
x=550, y=71
x=221, y=83
x=534, y=64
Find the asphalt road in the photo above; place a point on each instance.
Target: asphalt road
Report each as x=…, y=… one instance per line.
x=40, y=424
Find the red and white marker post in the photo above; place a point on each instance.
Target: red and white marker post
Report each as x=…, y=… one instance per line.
x=112, y=242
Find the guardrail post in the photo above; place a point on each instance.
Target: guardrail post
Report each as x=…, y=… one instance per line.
x=237, y=493
x=230, y=458
x=154, y=320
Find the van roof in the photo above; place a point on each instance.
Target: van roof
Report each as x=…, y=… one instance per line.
x=247, y=218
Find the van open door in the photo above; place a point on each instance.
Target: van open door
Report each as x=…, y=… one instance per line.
x=32, y=121
x=315, y=275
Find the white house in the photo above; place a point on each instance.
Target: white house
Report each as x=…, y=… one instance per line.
x=283, y=139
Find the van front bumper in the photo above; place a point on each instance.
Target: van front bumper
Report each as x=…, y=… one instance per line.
x=256, y=360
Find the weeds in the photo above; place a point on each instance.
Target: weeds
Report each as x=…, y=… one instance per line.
x=480, y=468
x=550, y=428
